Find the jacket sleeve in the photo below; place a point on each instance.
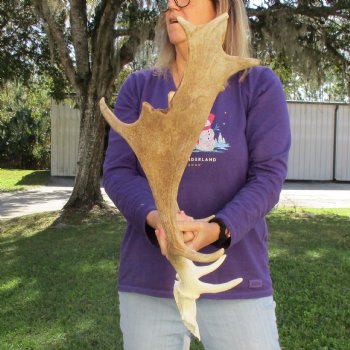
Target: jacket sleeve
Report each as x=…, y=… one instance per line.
x=123, y=178
x=268, y=139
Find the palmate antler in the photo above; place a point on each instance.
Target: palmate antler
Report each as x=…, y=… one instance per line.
x=163, y=141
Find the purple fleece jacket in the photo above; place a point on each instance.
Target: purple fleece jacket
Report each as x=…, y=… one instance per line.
x=236, y=172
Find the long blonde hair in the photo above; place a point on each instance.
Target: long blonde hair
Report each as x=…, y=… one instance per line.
x=237, y=39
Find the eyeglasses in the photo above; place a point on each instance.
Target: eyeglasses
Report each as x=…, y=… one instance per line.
x=164, y=4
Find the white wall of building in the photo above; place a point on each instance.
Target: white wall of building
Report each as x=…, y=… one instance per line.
x=320, y=141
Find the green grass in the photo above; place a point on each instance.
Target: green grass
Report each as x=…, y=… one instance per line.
x=58, y=281
x=16, y=180
x=310, y=264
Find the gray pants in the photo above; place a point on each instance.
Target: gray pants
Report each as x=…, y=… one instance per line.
x=150, y=323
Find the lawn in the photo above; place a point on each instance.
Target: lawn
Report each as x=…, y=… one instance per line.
x=16, y=180
x=58, y=281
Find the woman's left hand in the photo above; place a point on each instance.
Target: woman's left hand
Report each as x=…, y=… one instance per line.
x=181, y=216
x=203, y=233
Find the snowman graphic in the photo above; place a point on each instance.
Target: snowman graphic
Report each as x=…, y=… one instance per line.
x=207, y=141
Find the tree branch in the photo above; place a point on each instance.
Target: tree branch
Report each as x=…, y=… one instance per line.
x=78, y=21
x=139, y=31
x=43, y=12
x=122, y=32
x=307, y=11
x=127, y=52
x=102, y=44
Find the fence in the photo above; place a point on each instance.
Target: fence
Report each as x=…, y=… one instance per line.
x=342, y=144
x=320, y=141
x=65, y=126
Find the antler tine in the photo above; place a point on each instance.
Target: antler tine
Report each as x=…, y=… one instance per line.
x=188, y=288
x=111, y=119
x=204, y=270
x=193, y=255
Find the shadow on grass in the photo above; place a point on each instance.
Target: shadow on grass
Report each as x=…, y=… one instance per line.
x=58, y=283
x=39, y=177
x=309, y=258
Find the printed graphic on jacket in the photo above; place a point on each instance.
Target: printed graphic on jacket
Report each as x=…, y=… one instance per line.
x=210, y=139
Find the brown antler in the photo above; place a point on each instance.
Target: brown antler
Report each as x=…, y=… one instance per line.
x=170, y=138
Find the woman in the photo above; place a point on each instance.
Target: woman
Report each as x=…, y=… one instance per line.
x=235, y=172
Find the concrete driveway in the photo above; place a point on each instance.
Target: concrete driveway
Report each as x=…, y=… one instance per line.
x=316, y=195
x=55, y=195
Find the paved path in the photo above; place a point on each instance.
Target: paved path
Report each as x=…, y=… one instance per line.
x=316, y=195
x=55, y=195
x=39, y=199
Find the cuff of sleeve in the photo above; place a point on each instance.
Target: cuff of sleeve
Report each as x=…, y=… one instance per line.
x=142, y=226
x=150, y=233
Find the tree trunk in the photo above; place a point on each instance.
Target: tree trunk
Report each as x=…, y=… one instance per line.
x=87, y=191
x=91, y=73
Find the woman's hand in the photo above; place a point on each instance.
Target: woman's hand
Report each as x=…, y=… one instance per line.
x=153, y=220
x=181, y=217
x=204, y=233
x=196, y=234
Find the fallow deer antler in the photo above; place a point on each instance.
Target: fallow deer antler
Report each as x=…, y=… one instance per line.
x=163, y=141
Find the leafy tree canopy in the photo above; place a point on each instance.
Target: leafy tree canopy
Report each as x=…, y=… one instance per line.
x=25, y=125
x=35, y=35
x=25, y=50
x=307, y=39
x=20, y=39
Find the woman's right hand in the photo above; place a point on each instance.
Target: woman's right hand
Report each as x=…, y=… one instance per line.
x=153, y=220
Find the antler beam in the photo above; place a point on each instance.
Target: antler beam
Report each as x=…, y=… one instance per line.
x=170, y=140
